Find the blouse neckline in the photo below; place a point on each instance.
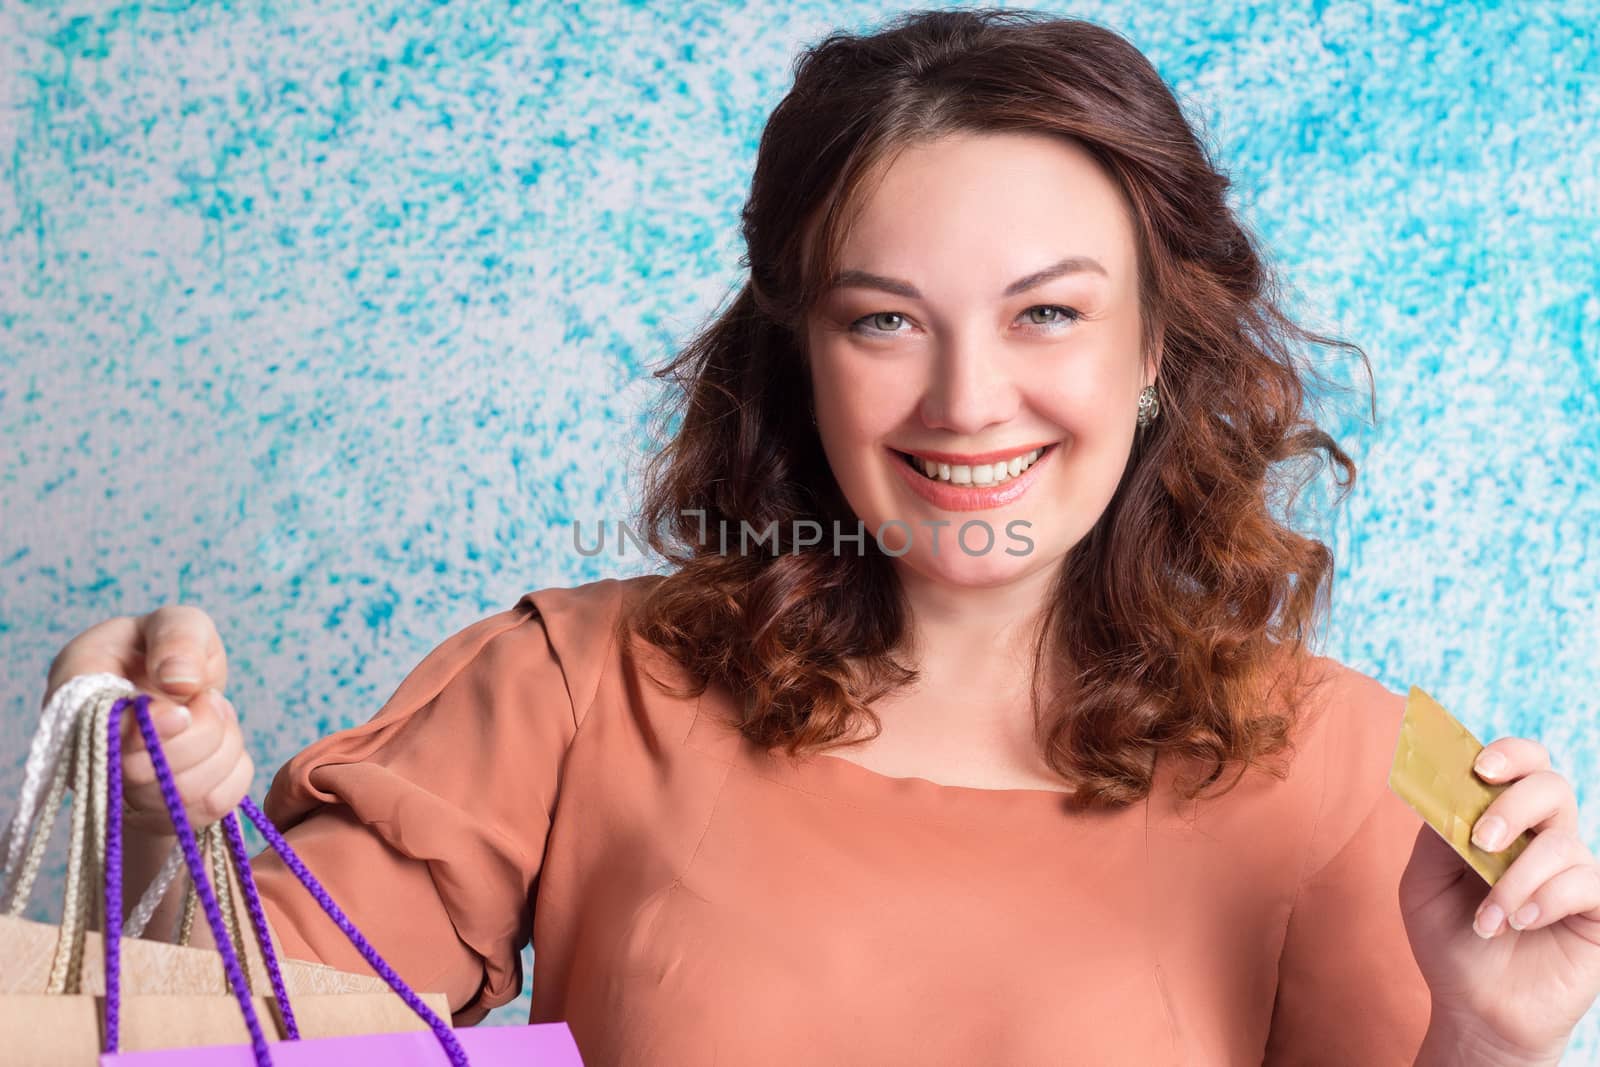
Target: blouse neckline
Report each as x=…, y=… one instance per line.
x=844, y=781
x=834, y=778
x=918, y=782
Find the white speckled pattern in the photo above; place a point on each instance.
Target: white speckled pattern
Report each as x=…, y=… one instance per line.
x=331, y=318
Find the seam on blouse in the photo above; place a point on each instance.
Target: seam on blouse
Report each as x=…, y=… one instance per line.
x=1153, y=944
x=711, y=813
x=1311, y=840
x=578, y=720
x=1354, y=837
x=732, y=765
x=1313, y=875
x=694, y=720
x=599, y=675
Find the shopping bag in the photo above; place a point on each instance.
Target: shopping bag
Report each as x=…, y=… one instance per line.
x=182, y=998
x=160, y=968
x=540, y=1045
x=51, y=981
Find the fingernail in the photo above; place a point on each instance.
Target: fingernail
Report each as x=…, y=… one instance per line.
x=1524, y=916
x=1490, y=764
x=1488, y=920
x=1489, y=832
x=178, y=671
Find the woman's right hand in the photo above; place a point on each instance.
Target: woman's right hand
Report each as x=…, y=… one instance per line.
x=175, y=655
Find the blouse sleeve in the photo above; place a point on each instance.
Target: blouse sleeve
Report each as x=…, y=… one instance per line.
x=1349, y=990
x=427, y=823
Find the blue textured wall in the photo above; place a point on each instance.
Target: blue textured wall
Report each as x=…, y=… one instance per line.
x=329, y=319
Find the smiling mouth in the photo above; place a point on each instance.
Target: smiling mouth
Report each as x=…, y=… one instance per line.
x=979, y=475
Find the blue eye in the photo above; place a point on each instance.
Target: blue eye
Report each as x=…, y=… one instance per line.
x=878, y=315
x=873, y=323
x=1061, y=314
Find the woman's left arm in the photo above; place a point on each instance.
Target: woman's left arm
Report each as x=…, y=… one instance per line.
x=1511, y=995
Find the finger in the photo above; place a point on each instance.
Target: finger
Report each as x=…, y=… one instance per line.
x=197, y=783
x=1541, y=801
x=182, y=650
x=1572, y=891
x=109, y=647
x=187, y=748
x=225, y=797
x=169, y=717
x=1548, y=854
x=194, y=784
x=1508, y=758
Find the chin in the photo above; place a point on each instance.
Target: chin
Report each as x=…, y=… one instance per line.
x=956, y=568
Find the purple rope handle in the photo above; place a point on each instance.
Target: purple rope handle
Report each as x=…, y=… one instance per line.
x=191, y=856
x=258, y=919
x=441, y=1029
x=111, y=936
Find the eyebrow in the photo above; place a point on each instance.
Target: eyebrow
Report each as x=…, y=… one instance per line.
x=860, y=279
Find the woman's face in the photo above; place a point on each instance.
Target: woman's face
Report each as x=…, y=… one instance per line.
x=987, y=307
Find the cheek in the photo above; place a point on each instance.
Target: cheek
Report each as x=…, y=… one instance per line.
x=861, y=399
x=1089, y=407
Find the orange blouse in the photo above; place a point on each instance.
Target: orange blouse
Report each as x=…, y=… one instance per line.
x=694, y=899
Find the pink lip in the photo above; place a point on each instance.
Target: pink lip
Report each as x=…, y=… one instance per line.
x=975, y=458
x=967, y=497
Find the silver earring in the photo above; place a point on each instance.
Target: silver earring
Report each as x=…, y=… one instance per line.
x=1149, y=406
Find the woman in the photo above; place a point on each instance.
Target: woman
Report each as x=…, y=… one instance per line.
x=971, y=491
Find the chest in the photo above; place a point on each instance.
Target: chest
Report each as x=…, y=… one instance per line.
x=706, y=901
x=799, y=929
x=955, y=740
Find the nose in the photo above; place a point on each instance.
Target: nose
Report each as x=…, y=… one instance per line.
x=968, y=389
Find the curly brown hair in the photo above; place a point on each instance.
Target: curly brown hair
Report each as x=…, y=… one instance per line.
x=1185, y=608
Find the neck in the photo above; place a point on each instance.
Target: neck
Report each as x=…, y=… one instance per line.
x=975, y=637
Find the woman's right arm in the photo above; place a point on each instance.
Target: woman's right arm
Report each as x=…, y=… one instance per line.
x=176, y=656
x=427, y=823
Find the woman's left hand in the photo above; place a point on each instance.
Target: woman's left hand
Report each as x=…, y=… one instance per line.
x=1518, y=992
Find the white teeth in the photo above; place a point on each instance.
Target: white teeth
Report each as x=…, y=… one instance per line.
x=982, y=473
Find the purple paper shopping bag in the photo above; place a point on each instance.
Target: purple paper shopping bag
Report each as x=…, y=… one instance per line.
x=541, y=1045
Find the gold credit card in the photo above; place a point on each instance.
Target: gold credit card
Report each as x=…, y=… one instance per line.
x=1433, y=773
